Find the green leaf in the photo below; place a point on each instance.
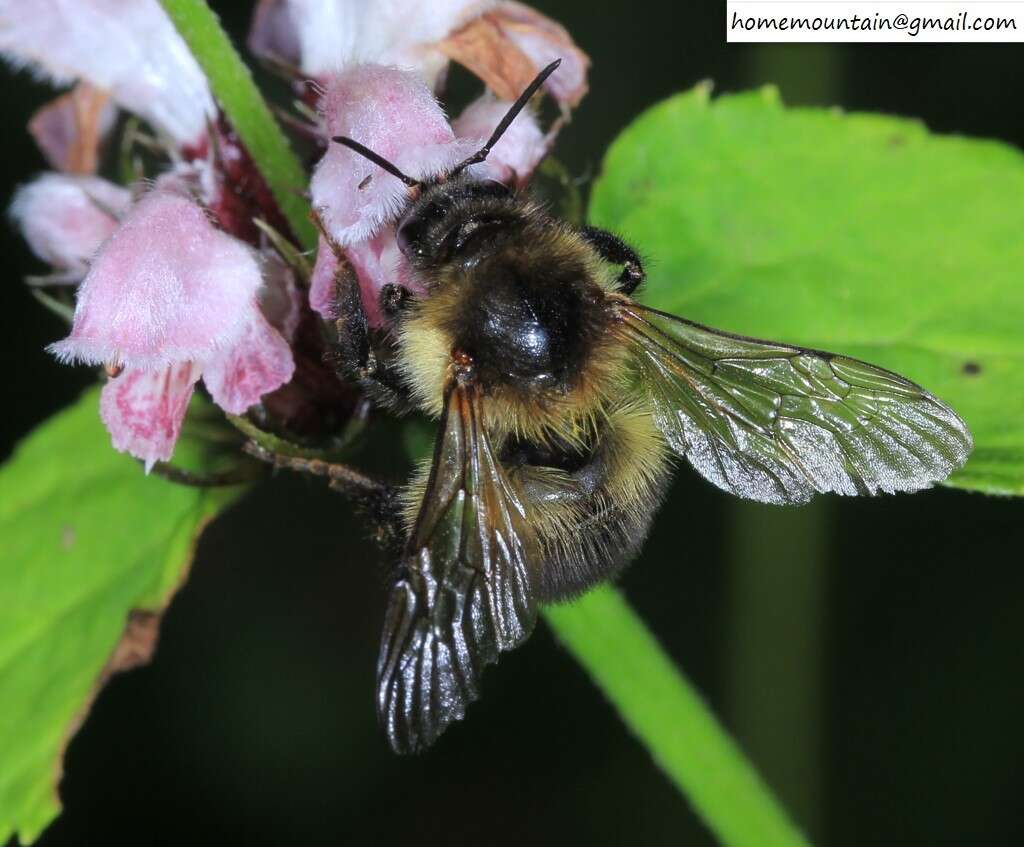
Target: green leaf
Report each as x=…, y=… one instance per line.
x=85, y=539
x=861, y=234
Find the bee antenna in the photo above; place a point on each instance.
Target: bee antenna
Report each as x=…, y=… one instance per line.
x=510, y=116
x=377, y=159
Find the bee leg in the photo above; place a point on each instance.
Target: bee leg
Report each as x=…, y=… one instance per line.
x=394, y=299
x=613, y=249
x=378, y=500
x=353, y=354
x=359, y=352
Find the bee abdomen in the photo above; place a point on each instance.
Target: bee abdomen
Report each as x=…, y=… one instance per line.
x=594, y=509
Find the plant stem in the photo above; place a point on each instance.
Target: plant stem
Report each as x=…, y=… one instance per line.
x=773, y=647
x=669, y=717
x=233, y=86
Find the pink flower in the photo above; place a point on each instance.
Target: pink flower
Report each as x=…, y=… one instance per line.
x=170, y=298
x=504, y=43
x=66, y=218
x=130, y=49
x=395, y=114
x=541, y=40
x=517, y=153
x=322, y=37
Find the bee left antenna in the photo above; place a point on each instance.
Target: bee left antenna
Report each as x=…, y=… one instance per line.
x=510, y=116
x=377, y=159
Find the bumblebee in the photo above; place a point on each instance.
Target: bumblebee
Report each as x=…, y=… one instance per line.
x=562, y=403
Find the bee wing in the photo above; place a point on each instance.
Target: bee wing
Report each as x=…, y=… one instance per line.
x=466, y=592
x=777, y=423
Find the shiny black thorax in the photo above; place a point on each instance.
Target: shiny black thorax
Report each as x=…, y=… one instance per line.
x=518, y=291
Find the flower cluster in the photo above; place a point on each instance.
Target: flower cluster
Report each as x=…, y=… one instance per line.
x=176, y=278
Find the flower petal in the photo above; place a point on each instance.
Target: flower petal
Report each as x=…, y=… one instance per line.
x=376, y=261
x=519, y=150
x=259, y=362
x=379, y=262
x=507, y=46
x=66, y=218
x=280, y=298
x=70, y=129
x=324, y=36
x=128, y=47
x=273, y=34
x=545, y=40
x=394, y=114
x=166, y=287
x=321, y=281
x=143, y=410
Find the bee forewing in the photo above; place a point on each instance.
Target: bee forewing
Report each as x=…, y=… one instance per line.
x=467, y=591
x=778, y=424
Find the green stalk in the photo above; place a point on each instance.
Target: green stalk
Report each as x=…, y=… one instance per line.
x=668, y=716
x=232, y=84
x=603, y=633
x=778, y=566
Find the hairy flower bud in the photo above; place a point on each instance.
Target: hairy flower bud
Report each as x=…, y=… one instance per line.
x=66, y=218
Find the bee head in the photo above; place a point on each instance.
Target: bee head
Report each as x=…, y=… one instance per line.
x=455, y=209
x=450, y=219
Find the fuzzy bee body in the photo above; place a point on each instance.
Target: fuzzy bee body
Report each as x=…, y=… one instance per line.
x=530, y=302
x=561, y=402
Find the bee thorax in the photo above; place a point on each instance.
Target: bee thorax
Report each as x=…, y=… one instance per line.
x=527, y=331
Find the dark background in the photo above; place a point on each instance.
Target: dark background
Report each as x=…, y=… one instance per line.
x=865, y=653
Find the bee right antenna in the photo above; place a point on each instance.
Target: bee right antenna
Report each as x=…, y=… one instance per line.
x=506, y=121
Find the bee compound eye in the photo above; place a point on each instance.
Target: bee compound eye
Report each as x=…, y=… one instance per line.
x=410, y=236
x=492, y=188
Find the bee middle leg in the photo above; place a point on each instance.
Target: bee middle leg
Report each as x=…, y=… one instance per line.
x=613, y=249
x=377, y=500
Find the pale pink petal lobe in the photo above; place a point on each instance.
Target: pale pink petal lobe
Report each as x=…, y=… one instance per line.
x=71, y=129
x=544, y=40
x=519, y=150
x=323, y=37
x=258, y=363
x=395, y=114
x=321, y=281
x=143, y=410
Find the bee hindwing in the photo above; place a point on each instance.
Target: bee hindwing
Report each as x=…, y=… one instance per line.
x=466, y=591
x=777, y=423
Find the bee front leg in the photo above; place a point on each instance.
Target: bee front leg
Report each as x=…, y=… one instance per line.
x=613, y=249
x=363, y=353
x=352, y=354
